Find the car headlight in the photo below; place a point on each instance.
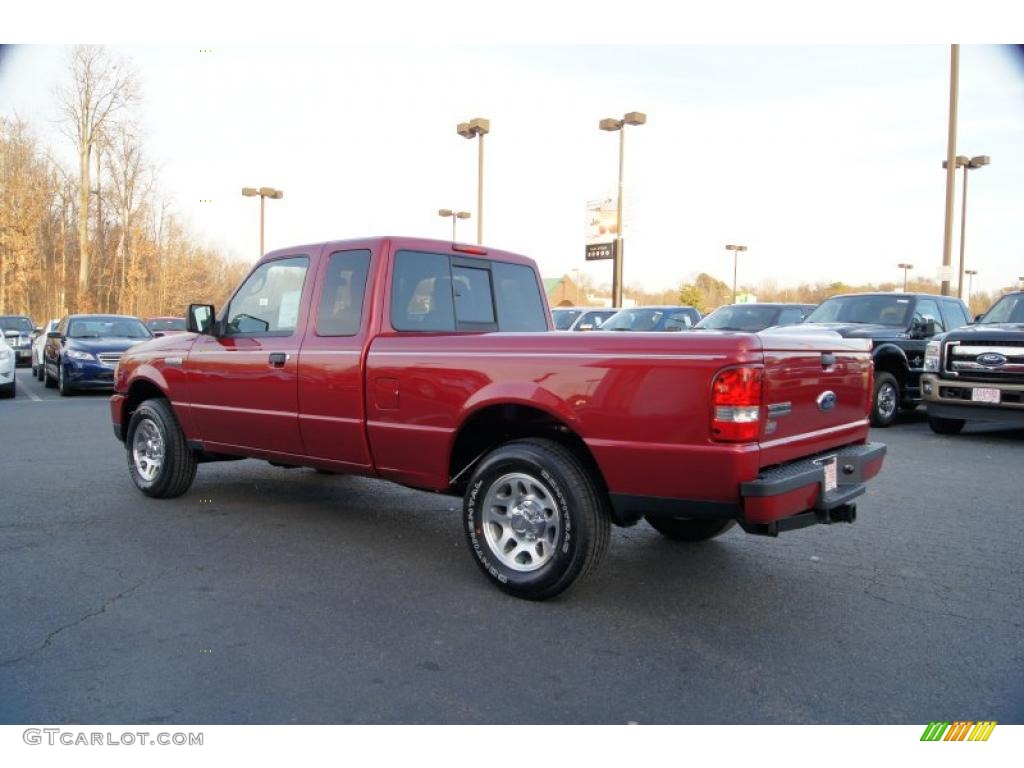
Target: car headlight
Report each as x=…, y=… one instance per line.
x=931, y=355
x=77, y=354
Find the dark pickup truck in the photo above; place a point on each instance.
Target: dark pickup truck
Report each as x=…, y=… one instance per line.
x=976, y=373
x=433, y=365
x=899, y=326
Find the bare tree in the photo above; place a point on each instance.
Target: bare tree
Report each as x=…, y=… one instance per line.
x=100, y=88
x=131, y=184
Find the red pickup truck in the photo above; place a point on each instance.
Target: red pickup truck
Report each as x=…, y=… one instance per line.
x=433, y=365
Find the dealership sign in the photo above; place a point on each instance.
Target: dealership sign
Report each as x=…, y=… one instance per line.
x=602, y=229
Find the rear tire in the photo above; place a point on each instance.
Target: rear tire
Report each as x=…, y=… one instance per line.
x=159, y=461
x=884, y=400
x=536, y=521
x=689, y=530
x=942, y=426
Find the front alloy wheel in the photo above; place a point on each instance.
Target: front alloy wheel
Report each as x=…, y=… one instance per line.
x=159, y=460
x=886, y=400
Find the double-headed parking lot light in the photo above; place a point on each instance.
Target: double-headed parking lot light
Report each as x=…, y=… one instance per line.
x=456, y=215
x=905, y=267
x=264, y=193
x=611, y=124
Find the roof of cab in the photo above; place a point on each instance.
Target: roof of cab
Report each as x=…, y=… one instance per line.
x=401, y=242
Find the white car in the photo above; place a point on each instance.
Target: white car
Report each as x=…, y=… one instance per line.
x=7, y=362
x=37, y=349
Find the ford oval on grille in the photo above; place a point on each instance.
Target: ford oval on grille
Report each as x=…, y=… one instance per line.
x=826, y=401
x=991, y=359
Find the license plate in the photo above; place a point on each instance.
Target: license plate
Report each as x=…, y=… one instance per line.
x=829, y=465
x=985, y=395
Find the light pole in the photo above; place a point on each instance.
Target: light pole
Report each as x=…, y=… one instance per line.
x=947, y=232
x=576, y=282
x=735, y=259
x=970, y=283
x=456, y=215
x=611, y=124
x=968, y=164
x=905, y=267
x=478, y=126
x=264, y=193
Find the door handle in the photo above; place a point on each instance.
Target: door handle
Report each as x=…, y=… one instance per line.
x=278, y=359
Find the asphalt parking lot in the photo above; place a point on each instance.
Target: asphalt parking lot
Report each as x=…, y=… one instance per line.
x=267, y=595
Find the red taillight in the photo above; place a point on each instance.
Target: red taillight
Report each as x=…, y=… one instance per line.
x=736, y=405
x=476, y=250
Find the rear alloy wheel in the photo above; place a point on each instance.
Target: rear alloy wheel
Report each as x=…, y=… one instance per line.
x=159, y=460
x=62, y=382
x=886, y=400
x=689, y=530
x=535, y=519
x=945, y=426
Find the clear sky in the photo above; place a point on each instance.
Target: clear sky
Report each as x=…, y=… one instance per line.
x=824, y=160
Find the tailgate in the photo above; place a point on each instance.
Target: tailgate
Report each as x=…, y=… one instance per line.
x=815, y=393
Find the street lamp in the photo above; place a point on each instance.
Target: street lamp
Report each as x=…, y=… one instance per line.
x=264, y=193
x=456, y=215
x=905, y=267
x=970, y=283
x=611, y=124
x=968, y=164
x=478, y=126
x=735, y=259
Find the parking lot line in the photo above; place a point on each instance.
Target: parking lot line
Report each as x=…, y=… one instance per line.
x=32, y=395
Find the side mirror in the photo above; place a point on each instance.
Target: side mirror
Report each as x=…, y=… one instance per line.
x=927, y=329
x=55, y=335
x=200, y=318
x=977, y=318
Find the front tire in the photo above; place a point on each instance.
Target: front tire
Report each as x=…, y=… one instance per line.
x=62, y=382
x=942, y=426
x=159, y=460
x=885, y=400
x=536, y=521
x=689, y=530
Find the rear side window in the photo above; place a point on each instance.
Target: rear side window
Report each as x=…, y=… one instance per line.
x=792, y=315
x=421, y=293
x=518, y=298
x=340, y=312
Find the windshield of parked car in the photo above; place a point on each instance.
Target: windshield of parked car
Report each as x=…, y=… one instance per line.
x=634, y=320
x=876, y=310
x=564, y=318
x=740, y=318
x=1009, y=309
x=20, y=324
x=107, y=328
x=167, y=324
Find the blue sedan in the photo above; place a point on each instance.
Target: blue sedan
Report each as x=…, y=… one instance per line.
x=84, y=349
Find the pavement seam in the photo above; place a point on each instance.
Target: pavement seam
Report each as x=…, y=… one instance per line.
x=50, y=637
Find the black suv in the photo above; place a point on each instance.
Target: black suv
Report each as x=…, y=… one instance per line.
x=977, y=372
x=899, y=326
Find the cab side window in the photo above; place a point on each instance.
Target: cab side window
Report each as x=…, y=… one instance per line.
x=955, y=314
x=267, y=304
x=340, y=312
x=927, y=310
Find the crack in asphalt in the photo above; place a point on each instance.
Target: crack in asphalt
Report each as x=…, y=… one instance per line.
x=50, y=637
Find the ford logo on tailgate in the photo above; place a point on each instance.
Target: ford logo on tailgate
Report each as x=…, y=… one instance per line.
x=991, y=359
x=826, y=401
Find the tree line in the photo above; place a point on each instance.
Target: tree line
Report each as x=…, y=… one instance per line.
x=99, y=236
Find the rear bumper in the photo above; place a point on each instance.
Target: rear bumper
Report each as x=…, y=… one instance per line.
x=785, y=497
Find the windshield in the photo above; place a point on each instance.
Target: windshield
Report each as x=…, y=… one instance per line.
x=877, y=310
x=107, y=327
x=167, y=324
x=564, y=318
x=19, y=324
x=634, y=320
x=740, y=318
x=1009, y=309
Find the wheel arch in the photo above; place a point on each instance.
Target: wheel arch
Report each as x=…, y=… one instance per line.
x=889, y=358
